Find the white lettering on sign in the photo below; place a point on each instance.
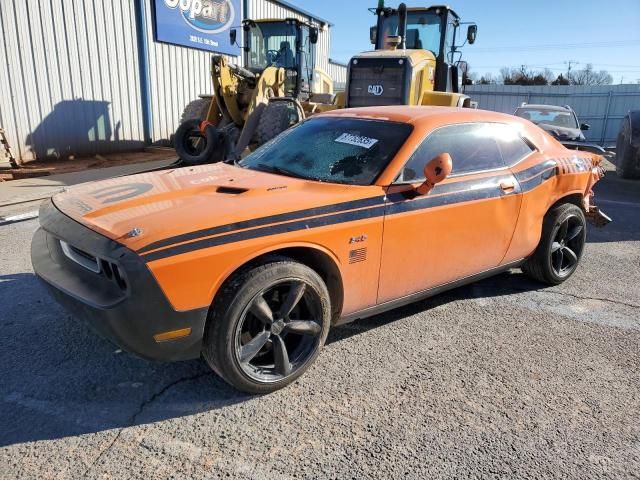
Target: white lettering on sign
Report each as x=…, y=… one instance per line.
x=358, y=140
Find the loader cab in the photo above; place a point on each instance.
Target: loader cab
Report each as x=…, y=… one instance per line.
x=416, y=52
x=435, y=29
x=288, y=44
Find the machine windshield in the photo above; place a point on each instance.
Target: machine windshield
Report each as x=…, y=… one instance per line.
x=272, y=44
x=423, y=30
x=336, y=150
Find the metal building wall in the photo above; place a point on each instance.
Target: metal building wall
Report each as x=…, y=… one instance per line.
x=69, y=77
x=602, y=107
x=338, y=71
x=70, y=74
x=177, y=75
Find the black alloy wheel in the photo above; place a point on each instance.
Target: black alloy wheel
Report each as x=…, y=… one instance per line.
x=567, y=246
x=267, y=324
x=279, y=331
x=561, y=245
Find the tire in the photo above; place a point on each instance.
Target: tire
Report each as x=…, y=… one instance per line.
x=275, y=119
x=196, y=110
x=561, y=245
x=245, y=348
x=627, y=157
x=195, y=147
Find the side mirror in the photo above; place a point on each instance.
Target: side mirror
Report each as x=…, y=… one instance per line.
x=313, y=35
x=233, y=36
x=585, y=126
x=472, y=32
x=438, y=168
x=373, y=35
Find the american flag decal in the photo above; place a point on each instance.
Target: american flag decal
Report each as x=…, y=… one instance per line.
x=358, y=255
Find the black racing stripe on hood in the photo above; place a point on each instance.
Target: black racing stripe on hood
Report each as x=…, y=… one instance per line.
x=258, y=222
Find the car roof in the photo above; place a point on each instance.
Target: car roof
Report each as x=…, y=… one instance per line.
x=421, y=114
x=555, y=108
x=428, y=118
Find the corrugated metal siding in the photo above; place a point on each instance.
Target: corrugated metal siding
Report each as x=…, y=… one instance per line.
x=260, y=9
x=602, y=107
x=69, y=77
x=338, y=71
x=69, y=71
x=177, y=76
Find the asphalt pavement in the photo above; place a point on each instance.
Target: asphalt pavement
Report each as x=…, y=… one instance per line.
x=504, y=378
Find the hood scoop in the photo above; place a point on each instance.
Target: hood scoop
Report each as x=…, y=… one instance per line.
x=231, y=190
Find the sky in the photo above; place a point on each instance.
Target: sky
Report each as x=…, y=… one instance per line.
x=539, y=34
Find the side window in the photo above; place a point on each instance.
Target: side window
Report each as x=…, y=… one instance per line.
x=472, y=146
x=512, y=145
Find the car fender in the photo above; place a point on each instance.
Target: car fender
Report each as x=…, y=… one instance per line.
x=272, y=249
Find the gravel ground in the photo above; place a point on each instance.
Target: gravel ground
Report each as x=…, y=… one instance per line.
x=499, y=379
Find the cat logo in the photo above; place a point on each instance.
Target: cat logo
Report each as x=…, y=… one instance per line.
x=376, y=90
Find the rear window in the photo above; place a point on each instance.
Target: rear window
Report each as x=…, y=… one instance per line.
x=329, y=149
x=548, y=117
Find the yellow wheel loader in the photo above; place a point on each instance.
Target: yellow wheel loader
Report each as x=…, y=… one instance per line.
x=416, y=60
x=254, y=103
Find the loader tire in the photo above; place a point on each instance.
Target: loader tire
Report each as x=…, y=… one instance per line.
x=275, y=119
x=627, y=156
x=196, y=110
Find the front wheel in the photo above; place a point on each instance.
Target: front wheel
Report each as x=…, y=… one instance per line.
x=560, y=247
x=268, y=325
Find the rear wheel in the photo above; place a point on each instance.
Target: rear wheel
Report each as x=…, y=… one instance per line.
x=627, y=157
x=561, y=245
x=268, y=325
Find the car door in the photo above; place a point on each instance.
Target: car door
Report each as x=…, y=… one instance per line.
x=462, y=227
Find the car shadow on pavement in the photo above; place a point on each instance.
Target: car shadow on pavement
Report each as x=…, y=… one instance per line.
x=507, y=283
x=61, y=379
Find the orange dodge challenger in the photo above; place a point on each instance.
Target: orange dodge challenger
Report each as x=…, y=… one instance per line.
x=343, y=216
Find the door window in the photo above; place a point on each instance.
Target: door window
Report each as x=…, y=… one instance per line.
x=473, y=147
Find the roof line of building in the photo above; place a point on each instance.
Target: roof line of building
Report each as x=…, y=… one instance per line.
x=302, y=11
x=338, y=62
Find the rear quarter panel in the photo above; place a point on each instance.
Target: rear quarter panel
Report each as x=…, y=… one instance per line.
x=568, y=172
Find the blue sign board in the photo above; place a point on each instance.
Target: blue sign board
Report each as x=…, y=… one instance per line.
x=202, y=24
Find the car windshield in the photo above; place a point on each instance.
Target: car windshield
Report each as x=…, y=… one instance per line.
x=329, y=149
x=548, y=117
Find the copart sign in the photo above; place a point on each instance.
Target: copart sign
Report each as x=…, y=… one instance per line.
x=202, y=24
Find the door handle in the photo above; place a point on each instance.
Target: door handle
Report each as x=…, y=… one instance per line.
x=507, y=186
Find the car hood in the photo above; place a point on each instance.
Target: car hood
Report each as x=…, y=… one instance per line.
x=563, y=133
x=140, y=210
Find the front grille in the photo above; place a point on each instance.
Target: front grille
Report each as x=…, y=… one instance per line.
x=99, y=266
x=374, y=82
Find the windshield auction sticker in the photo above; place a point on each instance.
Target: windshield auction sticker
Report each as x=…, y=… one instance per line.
x=359, y=141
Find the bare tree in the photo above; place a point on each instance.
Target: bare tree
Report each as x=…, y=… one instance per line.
x=548, y=75
x=487, y=79
x=588, y=76
x=505, y=75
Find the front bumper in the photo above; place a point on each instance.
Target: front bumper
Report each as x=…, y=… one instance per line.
x=129, y=307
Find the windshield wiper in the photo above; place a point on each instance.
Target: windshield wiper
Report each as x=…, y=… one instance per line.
x=283, y=171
